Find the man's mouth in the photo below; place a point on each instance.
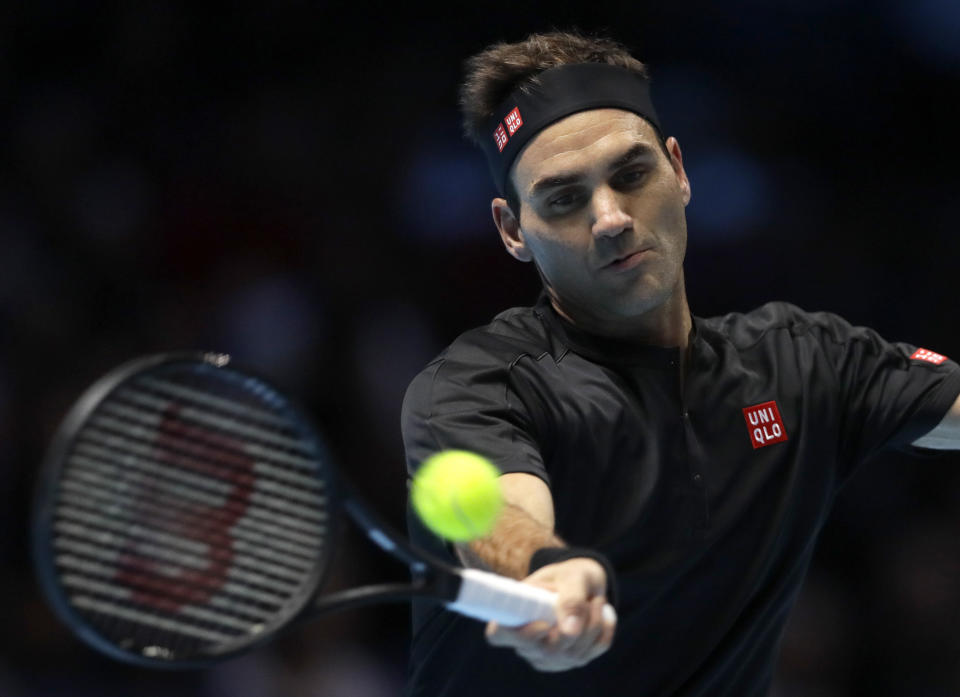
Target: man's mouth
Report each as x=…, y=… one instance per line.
x=627, y=261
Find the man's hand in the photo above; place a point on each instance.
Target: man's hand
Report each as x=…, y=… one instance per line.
x=580, y=634
x=526, y=525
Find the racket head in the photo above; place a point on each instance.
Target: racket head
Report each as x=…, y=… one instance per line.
x=185, y=512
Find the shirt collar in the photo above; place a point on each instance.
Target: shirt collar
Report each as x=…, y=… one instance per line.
x=607, y=350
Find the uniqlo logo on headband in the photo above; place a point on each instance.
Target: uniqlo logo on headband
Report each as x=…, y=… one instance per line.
x=513, y=120
x=764, y=424
x=929, y=356
x=500, y=135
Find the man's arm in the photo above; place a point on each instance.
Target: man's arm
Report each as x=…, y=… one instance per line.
x=526, y=524
x=946, y=436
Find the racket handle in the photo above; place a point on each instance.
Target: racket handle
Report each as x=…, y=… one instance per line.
x=488, y=596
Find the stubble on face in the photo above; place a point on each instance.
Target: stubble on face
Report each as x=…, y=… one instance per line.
x=603, y=217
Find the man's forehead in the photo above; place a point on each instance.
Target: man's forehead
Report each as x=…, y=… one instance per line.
x=581, y=140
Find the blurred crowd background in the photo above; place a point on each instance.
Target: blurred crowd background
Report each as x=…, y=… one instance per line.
x=287, y=182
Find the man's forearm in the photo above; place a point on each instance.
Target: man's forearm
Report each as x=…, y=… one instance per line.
x=946, y=436
x=507, y=550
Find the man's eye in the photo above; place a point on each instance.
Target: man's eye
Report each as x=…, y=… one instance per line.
x=633, y=176
x=563, y=200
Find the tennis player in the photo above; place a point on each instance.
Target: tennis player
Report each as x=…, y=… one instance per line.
x=679, y=467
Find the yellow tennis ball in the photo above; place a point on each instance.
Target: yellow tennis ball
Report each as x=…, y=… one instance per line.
x=457, y=495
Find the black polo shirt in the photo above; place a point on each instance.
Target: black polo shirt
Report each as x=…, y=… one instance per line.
x=707, y=494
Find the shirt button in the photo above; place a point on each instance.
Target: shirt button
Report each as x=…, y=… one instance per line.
x=697, y=477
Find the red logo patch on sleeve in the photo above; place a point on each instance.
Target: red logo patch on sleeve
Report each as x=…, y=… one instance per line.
x=922, y=354
x=500, y=135
x=513, y=120
x=764, y=424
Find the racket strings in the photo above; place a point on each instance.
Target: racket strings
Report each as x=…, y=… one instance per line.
x=179, y=511
x=228, y=461
x=280, y=532
x=190, y=435
x=190, y=515
x=116, y=537
x=134, y=579
x=134, y=457
x=198, y=424
x=281, y=546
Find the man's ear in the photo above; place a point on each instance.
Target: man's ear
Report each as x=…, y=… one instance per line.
x=510, y=232
x=676, y=161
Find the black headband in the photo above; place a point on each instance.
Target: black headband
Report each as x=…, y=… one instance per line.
x=556, y=93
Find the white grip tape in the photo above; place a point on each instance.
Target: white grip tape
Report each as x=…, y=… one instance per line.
x=487, y=596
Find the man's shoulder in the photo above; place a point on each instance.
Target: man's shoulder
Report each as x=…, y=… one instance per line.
x=479, y=361
x=495, y=346
x=511, y=334
x=744, y=329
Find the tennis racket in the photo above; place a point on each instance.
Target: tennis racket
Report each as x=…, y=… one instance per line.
x=187, y=511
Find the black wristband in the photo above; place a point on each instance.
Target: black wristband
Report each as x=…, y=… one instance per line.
x=553, y=555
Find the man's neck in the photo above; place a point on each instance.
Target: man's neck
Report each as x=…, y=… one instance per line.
x=667, y=325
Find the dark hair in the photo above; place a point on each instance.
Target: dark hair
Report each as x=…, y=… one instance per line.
x=494, y=73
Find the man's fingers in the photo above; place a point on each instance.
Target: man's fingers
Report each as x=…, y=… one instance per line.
x=604, y=639
x=592, y=630
x=574, y=591
x=498, y=635
x=585, y=642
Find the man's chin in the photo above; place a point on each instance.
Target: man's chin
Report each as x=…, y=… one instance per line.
x=641, y=303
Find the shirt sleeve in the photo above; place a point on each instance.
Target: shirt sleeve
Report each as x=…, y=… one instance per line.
x=465, y=400
x=888, y=395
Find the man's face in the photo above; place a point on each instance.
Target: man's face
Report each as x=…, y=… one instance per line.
x=602, y=215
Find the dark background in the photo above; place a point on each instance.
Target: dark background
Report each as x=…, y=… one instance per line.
x=287, y=182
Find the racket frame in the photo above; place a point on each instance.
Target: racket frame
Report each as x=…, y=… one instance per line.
x=47, y=493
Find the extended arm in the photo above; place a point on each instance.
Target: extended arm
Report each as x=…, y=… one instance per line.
x=946, y=436
x=525, y=525
x=581, y=634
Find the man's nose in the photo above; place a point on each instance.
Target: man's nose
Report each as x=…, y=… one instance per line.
x=609, y=216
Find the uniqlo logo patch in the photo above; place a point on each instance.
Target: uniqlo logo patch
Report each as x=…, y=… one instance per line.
x=513, y=120
x=929, y=356
x=500, y=135
x=764, y=424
